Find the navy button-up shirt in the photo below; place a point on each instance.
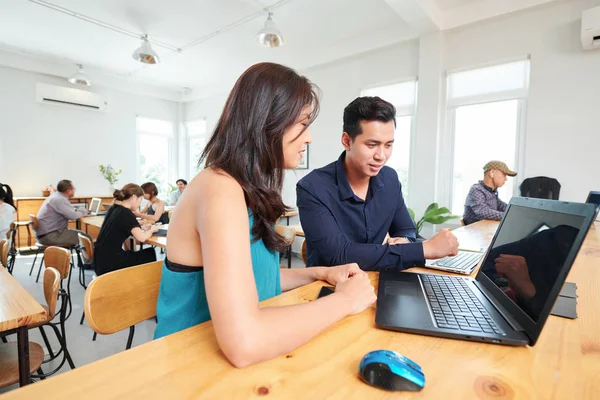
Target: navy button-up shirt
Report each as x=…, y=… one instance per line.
x=341, y=228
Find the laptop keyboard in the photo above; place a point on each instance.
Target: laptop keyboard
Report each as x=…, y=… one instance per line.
x=463, y=261
x=455, y=306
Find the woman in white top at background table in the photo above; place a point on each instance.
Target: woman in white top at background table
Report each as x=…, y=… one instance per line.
x=7, y=210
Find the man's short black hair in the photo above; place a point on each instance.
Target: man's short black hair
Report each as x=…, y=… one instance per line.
x=64, y=185
x=367, y=109
x=182, y=181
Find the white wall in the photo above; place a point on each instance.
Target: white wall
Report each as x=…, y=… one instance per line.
x=41, y=144
x=562, y=135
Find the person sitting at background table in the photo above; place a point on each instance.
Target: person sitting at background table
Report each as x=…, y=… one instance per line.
x=7, y=210
x=55, y=214
x=223, y=250
x=120, y=223
x=155, y=211
x=181, y=184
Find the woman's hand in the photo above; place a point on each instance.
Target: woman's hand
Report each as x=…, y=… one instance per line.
x=340, y=273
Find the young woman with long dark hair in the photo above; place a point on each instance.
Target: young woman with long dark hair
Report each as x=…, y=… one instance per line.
x=223, y=251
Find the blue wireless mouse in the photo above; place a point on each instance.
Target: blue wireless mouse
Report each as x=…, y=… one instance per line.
x=389, y=370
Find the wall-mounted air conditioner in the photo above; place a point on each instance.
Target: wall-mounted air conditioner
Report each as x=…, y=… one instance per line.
x=70, y=97
x=590, y=28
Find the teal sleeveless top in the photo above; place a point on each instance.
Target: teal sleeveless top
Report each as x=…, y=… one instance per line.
x=182, y=296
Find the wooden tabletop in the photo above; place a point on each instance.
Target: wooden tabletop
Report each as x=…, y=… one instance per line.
x=95, y=220
x=17, y=307
x=564, y=364
x=159, y=241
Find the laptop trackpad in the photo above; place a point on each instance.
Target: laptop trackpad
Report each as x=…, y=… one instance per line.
x=395, y=288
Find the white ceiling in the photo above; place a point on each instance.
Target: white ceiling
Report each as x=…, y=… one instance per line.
x=316, y=32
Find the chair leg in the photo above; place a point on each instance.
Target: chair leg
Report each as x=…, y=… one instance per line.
x=94, y=337
x=46, y=342
x=39, y=270
x=4, y=339
x=41, y=373
x=34, y=260
x=130, y=338
x=82, y=318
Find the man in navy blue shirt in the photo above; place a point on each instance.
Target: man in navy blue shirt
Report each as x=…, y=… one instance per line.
x=347, y=207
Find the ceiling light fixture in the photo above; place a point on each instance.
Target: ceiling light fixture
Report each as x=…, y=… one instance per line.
x=269, y=35
x=80, y=78
x=145, y=54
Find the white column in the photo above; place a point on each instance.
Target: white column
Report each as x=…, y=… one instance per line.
x=427, y=145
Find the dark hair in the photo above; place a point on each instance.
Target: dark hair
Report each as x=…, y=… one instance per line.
x=6, y=195
x=366, y=109
x=150, y=188
x=64, y=185
x=247, y=141
x=182, y=181
x=128, y=190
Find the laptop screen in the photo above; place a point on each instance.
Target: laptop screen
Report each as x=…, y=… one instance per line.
x=528, y=255
x=594, y=198
x=95, y=205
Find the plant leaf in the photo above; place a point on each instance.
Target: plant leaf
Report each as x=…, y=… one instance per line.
x=440, y=219
x=412, y=214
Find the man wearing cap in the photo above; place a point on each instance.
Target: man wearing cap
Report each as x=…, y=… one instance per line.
x=482, y=201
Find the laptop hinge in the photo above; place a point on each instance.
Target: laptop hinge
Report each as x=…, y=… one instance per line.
x=505, y=314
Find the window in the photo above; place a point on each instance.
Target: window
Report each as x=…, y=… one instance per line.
x=196, y=141
x=486, y=107
x=154, y=152
x=402, y=96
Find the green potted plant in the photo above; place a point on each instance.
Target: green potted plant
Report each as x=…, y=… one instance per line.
x=434, y=214
x=111, y=175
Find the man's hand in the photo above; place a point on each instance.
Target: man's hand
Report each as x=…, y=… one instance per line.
x=397, y=240
x=443, y=244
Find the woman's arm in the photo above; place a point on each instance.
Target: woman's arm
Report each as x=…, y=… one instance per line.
x=293, y=278
x=141, y=235
x=246, y=333
x=159, y=209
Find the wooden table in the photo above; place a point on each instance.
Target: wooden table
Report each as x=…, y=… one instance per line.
x=17, y=310
x=564, y=364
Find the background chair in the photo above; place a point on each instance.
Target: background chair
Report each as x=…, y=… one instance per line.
x=52, y=292
x=303, y=252
x=123, y=298
x=59, y=258
x=540, y=187
x=289, y=235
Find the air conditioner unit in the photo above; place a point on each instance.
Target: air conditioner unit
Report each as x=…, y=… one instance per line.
x=590, y=28
x=70, y=97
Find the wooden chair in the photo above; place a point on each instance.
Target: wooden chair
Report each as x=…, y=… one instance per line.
x=60, y=259
x=303, y=252
x=52, y=292
x=9, y=365
x=11, y=256
x=289, y=235
x=42, y=247
x=85, y=257
x=4, y=253
x=120, y=299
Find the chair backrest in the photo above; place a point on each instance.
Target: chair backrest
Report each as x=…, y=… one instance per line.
x=288, y=233
x=122, y=298
x=303, y=251
x=4, y=253
x=58, y=258
x=88, y=247
x=34, y=222
x=51, y=285
x=540, y=187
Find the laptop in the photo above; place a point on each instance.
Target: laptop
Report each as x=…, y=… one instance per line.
x=95, y=205
x=462, y=263
x=514, y=291
x=594, y=198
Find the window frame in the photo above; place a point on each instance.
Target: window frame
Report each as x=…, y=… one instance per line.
x=170, y=151
x=188, y=139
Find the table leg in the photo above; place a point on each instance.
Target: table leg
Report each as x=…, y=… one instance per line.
x=23, y=351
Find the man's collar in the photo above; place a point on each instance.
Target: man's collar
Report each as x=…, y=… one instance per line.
x=489, y=189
